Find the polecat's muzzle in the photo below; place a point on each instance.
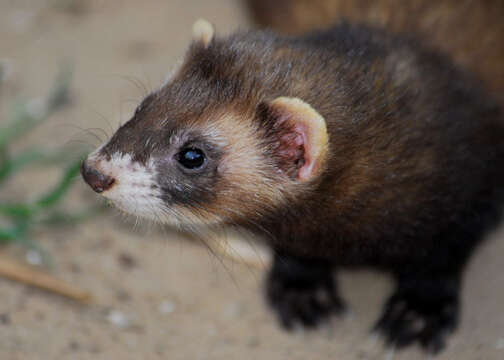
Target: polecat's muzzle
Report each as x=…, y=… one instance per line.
x=98, y=181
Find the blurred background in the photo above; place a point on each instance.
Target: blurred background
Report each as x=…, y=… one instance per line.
x=70, y=72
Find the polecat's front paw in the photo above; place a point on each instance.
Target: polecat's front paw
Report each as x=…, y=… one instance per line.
x=408, y=318
x=302, y=294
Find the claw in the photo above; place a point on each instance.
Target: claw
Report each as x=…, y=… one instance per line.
x=406, y=320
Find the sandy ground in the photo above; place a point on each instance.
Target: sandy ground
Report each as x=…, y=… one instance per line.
x=157, y=294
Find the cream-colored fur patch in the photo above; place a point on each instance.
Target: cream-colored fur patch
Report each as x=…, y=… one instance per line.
x=203, y=32
x=243, y=165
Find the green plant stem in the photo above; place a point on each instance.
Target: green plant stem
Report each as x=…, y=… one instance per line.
x=10, y=166
x=49, y=199
x=55, y=195
x=13, y=234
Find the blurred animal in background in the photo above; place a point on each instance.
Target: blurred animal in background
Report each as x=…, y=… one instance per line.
x=470, y=31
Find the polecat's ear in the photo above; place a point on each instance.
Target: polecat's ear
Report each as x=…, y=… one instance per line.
x=203, y=32
x=302, y=140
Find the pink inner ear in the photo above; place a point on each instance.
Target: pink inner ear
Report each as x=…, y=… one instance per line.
x=304, y=172
x=295, y=149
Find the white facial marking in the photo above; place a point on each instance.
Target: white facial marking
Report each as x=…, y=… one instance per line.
x=135, y=190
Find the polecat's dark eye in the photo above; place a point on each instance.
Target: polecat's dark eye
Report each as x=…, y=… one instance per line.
x=191, y=158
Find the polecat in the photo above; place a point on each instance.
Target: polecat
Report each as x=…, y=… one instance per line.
x=343, y=148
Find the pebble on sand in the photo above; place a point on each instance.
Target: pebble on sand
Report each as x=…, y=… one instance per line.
x=118, y=318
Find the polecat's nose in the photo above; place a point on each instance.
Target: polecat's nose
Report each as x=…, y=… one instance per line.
x=98, y=181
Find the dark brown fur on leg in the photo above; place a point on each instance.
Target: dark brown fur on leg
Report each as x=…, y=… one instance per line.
x=301, y=291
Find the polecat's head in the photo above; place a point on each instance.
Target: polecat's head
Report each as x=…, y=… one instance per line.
x=210, y=146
